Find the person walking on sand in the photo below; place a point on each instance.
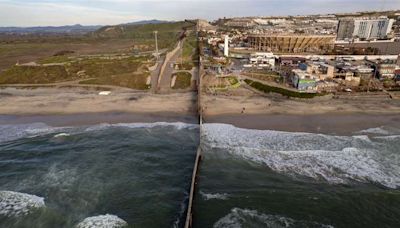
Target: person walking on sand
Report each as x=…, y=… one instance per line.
x=243, y=109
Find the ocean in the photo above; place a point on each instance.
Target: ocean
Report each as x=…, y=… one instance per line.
x=262, y=178
x=108, y=174
x=138, y=175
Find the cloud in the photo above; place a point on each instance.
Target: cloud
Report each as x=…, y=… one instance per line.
x=48, y=13
x=59, y=12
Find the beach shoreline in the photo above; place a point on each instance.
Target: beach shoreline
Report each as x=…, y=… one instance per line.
x=336, y=124
x=84, y=119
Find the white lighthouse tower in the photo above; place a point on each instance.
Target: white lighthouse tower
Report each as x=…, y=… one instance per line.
x=226, y=46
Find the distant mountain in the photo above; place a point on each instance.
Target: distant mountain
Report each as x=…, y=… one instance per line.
x=68, y=29
x=146, y=22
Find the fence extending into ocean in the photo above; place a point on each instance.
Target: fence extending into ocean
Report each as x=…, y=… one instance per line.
x=192, y=192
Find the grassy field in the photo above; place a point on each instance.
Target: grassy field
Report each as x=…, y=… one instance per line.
x=129, y=72
x=270, y=89
x=183, y=80
x=34, y=75
x=129, y=80
x=121, y=39
x=142, y=36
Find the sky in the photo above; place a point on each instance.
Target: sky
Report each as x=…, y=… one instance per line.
x=24, y=13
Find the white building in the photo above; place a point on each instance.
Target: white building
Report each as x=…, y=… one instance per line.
x=263, y=59
x=372, y=28
x=226, y=46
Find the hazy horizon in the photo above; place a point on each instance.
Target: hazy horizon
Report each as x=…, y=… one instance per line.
x=19, y=13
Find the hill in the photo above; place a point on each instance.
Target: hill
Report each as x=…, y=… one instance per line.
x=143, y=33
x=68, y=29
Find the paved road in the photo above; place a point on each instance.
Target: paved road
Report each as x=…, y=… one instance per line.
x=155, y=74
x=165, y=83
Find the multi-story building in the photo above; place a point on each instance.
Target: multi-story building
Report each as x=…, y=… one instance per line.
x=291, y=43
x=363, y=28
x=385, y=69
x=322, y=70
x=304, y=81
x=345, y=29
x=263, y=59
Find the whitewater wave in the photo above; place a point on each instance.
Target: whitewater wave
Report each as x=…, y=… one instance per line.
x=238, y=218
x=61, y=135
x=384, y=130
x=14, y=204
x=217, y=196
x=336, y=159
x=102, y=221
x=177, y=125
x=18, y=131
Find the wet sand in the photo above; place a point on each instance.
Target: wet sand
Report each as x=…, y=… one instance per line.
x=338, y=124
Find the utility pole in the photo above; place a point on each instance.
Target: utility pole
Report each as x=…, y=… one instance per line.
x=155, y=36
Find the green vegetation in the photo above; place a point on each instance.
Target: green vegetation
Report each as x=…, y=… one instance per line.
x=265, y=76
x=130, y=80
x=168, y=33
x=33, y=75
x=185, y=66
x=54, y=59
x=183, y=80
x=270, y=89
x=234, y=82
x=127, y=72
x=190, y=53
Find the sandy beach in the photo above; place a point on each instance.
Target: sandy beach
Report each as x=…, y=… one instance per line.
x=80, y=100
x=79, y=106
x=343, y=115
x=256, y=104
x=337, y=124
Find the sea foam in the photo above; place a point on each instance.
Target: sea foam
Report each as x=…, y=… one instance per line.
x=216, y=196
x=14, y=204
x=18, y=131
x=238, y=218
x=336, y=159
x=177, y=125
x=102, y=221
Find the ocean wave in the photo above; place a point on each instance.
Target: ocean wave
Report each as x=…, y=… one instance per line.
x=238, y=218
x=177, y=125
x=218, y=196
x=380, y=131
x=335, y=159
x=102, y=221
x=61, y=135
x=14, y=204
x=18, y=131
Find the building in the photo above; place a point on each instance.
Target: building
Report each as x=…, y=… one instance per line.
x=304, y=81
x=385, y=69
x=294, y=43
x=241, y=23
x=364, y=72
x=322, y=70
x=345, y=29
x=364, y=28
x=263, y=59
x=226, y=46
x=291, y=61
x=398, y=60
